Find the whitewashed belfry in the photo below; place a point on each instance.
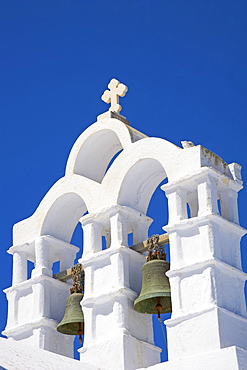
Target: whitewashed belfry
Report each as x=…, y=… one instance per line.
x=208, y=326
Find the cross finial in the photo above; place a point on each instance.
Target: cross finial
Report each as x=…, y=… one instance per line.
x=116, y=89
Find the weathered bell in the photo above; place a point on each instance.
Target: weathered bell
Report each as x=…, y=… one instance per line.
x=155, y=296
x=73, y=320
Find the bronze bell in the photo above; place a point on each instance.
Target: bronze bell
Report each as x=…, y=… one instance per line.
x=155, y=296
x=73, y=320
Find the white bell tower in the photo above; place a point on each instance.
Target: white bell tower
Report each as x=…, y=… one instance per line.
x=208, y=327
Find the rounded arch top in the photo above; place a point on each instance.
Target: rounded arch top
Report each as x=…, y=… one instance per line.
x=59, y=211
x=63, y=215
x=140, y=182
x=97, y=145
x=140, y=168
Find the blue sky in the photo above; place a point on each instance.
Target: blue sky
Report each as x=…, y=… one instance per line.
x=183, y=61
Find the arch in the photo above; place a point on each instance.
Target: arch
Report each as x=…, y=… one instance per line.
x=63, y=216
x=95, y=154
x=139, y=169
x=69, y=198
x=140, y=183
x=97, y=145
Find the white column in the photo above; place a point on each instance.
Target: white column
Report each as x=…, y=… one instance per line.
x=19, y=267
x=177, y=203
x=92, y=235
x=42, y=263
x=207, y=195
x=119, y=230
x=229, y=204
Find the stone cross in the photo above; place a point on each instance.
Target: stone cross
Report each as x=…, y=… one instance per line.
x=116, y=89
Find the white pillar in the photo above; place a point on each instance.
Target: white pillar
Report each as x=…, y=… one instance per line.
x=19, y=267
x=42, y=263
x=119, y=229
x=177, y=203
x=229, y=205
x=207, y=195
x=92, y=235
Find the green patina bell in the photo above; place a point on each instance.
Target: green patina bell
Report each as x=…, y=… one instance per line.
x=73, y=320
x=155, y=296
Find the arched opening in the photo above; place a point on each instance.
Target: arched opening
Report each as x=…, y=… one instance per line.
x=158, y=211
x=140, y=183
x=141, y=189
x=96, y=153
x=63, y=216
x=62, y=223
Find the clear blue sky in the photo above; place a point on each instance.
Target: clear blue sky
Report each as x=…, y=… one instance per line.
x=183, y=61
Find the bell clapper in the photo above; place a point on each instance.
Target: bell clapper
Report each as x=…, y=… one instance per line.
x=163, y=332
x=158, y=307
x=80, y=332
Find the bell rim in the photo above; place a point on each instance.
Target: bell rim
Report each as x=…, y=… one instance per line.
x=151, y=296
x=60, y=327
x=152, y=310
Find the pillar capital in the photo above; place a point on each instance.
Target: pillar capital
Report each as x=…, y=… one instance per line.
x=114, y=223
x=103, y=216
